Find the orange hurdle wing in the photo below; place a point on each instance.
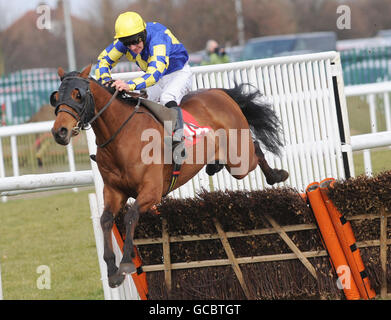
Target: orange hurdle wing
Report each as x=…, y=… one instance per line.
x=347, y=240
x=331, y=241
x=139, y=278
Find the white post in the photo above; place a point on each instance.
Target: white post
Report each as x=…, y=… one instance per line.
x=98, y=181
x=71, y=160
x=14, y=152
x=387, y=110
x=240, y=22
x=367, y=162
x=372, y=112
x=2, y=168
x=69, y=36
x=95, y=217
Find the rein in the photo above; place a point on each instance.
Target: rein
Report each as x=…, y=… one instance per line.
x=104, y=108
x=122, y=125
x=80, y=125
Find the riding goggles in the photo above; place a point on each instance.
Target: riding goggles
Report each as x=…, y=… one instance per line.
x=128, y=43
x=133, y=40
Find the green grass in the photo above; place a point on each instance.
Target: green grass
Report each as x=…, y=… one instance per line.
x=53, y=230
x=359, y=116
x=359, y=123
x=380, y=161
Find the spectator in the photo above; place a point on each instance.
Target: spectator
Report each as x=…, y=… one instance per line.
x=214, y=54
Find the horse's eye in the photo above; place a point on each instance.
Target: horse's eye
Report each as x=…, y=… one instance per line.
x=78, y=96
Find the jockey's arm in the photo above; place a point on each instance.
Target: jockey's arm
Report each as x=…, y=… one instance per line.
x=107, y=59
x=157, y=64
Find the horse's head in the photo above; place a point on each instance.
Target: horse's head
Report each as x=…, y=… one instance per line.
x=73, y=103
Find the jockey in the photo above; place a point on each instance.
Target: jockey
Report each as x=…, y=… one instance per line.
x=157, y=52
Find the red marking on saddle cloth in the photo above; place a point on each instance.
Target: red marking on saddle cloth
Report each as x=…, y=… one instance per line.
x=192, y=131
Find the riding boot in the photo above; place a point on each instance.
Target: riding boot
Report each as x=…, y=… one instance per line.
x=178, y=145
x=178, y=129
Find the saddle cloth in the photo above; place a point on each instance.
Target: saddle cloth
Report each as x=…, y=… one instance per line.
x=192, y=131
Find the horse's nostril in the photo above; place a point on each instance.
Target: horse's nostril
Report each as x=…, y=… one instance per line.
x=63, y=132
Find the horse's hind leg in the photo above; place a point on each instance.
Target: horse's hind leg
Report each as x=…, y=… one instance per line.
x=272, y=175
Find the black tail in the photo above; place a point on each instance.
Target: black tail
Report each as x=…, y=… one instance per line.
x=260, y=116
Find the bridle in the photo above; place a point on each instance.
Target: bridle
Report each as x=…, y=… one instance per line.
x=84, y=111
x=81, y=111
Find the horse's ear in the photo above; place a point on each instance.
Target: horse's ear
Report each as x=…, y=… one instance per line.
x=86, y=71
x=61, y=72
x=53, y=98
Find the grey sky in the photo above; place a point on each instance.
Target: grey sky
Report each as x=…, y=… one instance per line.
x=16, y=8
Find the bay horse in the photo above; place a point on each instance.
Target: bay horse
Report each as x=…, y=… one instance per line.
x=119, y=153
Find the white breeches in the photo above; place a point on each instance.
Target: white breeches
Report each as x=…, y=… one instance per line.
x=172, y=86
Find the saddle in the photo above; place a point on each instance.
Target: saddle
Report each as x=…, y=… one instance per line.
x=176, y=138
x=162, y=113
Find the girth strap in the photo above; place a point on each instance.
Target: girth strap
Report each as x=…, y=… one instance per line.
x=180, y=154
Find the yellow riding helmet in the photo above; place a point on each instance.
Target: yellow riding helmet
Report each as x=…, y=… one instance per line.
x=128, y=24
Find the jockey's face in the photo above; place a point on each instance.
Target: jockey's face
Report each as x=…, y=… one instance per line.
x=137, y=48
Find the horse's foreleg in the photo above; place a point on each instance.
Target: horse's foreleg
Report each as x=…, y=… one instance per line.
x=149, y=195
x=106, y=222
x=113, y=203
x=130, y=219
x=272, y=175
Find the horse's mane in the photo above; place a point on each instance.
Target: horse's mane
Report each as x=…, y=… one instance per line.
x=123, y=97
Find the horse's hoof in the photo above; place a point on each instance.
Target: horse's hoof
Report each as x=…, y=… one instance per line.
x=279, y=175
x=126, y=268
x=283, y=175
x=213, y=168
x=116, y=280
x=210, y=169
